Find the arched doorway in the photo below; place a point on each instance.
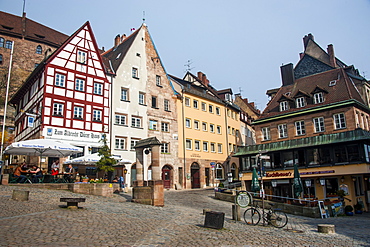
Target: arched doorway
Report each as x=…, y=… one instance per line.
x=195, y=175
x=167, y=176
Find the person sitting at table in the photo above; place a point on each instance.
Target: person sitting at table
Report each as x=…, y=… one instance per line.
x=70, y=174
x=18, y=174
x=37, y=173
x=55, y=168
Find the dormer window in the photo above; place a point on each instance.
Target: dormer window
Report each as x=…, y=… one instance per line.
x=228, y=97
x=284, y=106
x=39, y=49
x=318, y=98
x=300, y=102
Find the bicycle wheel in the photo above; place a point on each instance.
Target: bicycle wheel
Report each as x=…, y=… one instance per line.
x=278, y=219
x=252, y=216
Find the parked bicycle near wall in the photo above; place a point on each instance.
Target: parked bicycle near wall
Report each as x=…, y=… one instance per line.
x=274, y=217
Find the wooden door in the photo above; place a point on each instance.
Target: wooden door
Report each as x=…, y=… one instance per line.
x=195, y=178
x=166, y=177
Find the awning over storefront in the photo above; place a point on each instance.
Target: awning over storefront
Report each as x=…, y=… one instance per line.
x=348, y=136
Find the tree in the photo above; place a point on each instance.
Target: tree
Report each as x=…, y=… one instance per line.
x=106, y=161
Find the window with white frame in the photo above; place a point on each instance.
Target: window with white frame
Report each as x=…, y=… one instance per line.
x=339, y=121
x=97, y=115
x=230, y=147
x=204, y=126
x=300, y=128
x=212, y=128
x=157, y=80
x=228, y=130
x=204, y=106
x=80, y=85
x=153, y=124
x=219, y=171
x=318, y=97
x=135, y=73
x=98, y=88
x=205, y=146
x=165, y=127
x=60, y=80
x=284, y=106
x=187, y=101
x=218, y=111
x=319, y=124
x=218, y=129
x=213, y=147
x=133, y=143
x=124, y=94
x=142, y=98
x=188, y=123
x=266, y=134
x=197, y=145
x=135, y=122
x=300, y=102
x=120, y=119
x=166, y=105
x=196, y=124
x=78, y=112
x=219, y=148
x=120, y=143
x=283, y=131
x=210, y=107
x=188, y=144
x=81, y=57
x=165, y=148
x=58, y=109
x=195, y=104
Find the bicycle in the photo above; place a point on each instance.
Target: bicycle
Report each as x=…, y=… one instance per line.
x=274, y=217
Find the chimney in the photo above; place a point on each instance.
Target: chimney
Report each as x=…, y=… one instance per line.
x=306, y=38
x=123, y=37
x=117, y=40
x=332, y=60
x=203, y=78
x=287, y=74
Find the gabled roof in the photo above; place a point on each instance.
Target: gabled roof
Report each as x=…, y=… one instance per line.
x=114, y=56
x=344, y=89
x=13, y=26
x=40, y=68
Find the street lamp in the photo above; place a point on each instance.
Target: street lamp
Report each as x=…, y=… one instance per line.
x=322, y=181
x=274, y=183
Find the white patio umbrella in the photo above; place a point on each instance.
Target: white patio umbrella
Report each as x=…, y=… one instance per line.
x=42, y=148
x=89, y=159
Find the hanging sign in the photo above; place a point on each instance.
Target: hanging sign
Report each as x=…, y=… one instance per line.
x=30, y=121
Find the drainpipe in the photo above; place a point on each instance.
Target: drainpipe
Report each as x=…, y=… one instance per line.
x=183, y=135
x=227, y=136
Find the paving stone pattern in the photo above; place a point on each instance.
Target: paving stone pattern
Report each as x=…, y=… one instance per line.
x=116, y=221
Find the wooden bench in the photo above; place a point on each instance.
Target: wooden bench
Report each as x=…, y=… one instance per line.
x=72, y=202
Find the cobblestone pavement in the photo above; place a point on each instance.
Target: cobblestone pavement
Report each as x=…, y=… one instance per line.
x=115, y=221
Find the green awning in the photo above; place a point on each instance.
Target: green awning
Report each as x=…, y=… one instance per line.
x=348, y=136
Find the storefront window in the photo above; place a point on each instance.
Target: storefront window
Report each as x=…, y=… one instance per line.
x=288, y=159
x=340, y=154
x=313, y=157
x=324, y=155
x=331, y=187
x=353, y=153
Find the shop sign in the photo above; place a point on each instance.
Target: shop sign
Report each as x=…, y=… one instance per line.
x=317, y=172
x=70, y=134
x=278, y=174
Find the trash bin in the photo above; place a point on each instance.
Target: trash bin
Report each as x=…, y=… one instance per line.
x=214, y=220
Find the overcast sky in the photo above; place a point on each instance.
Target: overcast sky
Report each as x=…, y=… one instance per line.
x=238, y=44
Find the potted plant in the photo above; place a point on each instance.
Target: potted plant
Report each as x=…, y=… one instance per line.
x=85, y=179
x=358, y=208
x=348, y=210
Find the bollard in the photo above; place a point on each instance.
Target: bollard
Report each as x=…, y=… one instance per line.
x=236, y=212
x=20, y=195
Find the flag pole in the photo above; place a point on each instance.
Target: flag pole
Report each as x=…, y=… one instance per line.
x=6, y=101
